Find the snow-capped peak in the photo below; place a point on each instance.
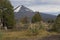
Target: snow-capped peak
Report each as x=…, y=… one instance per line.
x=22, y=8
x=17, y=8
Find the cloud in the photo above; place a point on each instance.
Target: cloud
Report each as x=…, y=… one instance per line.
x=42, y=5
x=35, y=2
x=46, y=8
x=39, y=1
x=50, y=9
x=39, y=5
x=22, y=2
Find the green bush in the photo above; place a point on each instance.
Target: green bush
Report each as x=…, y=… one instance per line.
x=42, y=27
x=36, y=18
x=33, y=31
x=56, y=26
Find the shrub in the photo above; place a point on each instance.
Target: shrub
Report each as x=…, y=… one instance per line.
x=33, y=31
x=36, y=18
x=41, y=26
x=56, y=26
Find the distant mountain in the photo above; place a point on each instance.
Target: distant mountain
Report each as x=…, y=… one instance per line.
x=22, y=11
x=47, y=17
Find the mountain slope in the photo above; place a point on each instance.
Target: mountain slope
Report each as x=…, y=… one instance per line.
x=47, y=17
x=24, y=11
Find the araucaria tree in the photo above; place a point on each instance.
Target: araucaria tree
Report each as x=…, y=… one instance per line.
x=36, y=18
x=56, y=26
x=7, y=13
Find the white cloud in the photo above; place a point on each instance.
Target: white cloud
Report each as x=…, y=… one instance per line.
x=22, y=2
x=39, y=5
x=37, y=2
x=46, y=8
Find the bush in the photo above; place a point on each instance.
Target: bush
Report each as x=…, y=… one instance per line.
x=33, y=31
x=56, y=26
x=42, y=27
x=36, y=18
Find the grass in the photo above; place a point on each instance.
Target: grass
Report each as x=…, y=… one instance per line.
x=22, y=34
x=1, y=35
x=14, y=35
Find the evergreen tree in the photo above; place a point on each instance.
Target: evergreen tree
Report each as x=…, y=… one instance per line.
x=56, y=26
x=36, y=17
x=7, y=13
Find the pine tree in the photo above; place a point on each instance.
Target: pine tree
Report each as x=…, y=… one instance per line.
x=36, y=18
x=7, y=13
x=56, y=26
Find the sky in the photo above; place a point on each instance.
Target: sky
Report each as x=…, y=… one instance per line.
x=39, y=5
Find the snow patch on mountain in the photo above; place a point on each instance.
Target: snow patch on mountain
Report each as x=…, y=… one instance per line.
x=17, y=9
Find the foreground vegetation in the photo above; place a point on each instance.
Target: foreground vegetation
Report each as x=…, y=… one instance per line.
x=15, y=35
x=27, y=33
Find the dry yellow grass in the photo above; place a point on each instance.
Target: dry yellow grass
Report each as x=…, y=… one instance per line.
x=22, y=34
x=14, y=34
